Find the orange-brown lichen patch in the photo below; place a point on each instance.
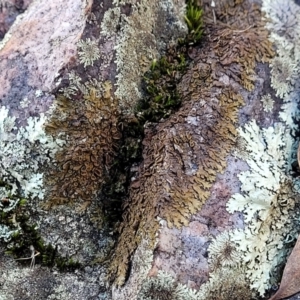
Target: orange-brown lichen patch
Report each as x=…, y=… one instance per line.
x=90, y=125
x=181, y=161
x=183, y=154
x=239, y=36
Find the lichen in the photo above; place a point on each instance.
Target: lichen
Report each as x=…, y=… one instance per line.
x=111, y=20
x=269, y=195
x=183, y=154
x=284, y=72
x=164, y=287
x=89, y=52
x=137, y=46
x=267, y=102
x=24, y=151
x=267, y=199
x=222, y=252
x=226, y=284
x=86, y=159
x=284, y=25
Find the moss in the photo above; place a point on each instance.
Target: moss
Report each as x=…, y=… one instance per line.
x=15, y=215
x=193, y=18
x=161, y=97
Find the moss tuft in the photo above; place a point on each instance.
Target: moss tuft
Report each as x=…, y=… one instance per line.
x=193, y=18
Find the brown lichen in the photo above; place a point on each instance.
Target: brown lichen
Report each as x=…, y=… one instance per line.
x=183, y=155
x=90, y=124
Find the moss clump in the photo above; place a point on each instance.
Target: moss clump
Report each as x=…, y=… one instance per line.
x=193, y=19
x=24, y=235
x=160, y=82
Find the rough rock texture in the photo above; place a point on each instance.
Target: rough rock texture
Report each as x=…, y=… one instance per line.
x=213, y=209
x=9, y=10
x=60, y=55
x=202, y=224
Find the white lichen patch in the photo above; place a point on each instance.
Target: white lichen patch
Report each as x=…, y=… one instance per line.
x=284, y=72
x=25, y=102
x=267, y=199
x=223, y=251
x=88, y=52
x=267, y=102
x=111, y=20
x=23, y=151
x=285, y=28
x=164, y=287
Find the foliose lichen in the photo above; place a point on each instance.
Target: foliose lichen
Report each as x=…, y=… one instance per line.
x=164, y=287
x=137, y=45
x=269, y=194
x=24, y=151
x=267, y=102
x=226, y=284
x=86, y=159
x=223, y=252
x=89, y=52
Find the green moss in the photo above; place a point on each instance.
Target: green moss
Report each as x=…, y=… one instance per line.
x=25, y=235
x=193, y=19
x=161, y=96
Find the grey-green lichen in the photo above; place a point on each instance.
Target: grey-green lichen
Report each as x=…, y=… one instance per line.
x=111, y=20
x=269, y=194
x=226, y=284
x=284, y=25
x=9, y=226
x=267, y=199
x=23, y=151
x=164, y=287
x=137, y=44
x=223, y=252
x=88, y=52
x=267, y=102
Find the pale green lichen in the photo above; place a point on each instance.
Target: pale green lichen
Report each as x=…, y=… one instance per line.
x=285, y=28
x=164, y=287
x=284, y=72
x=226, y=284
x=223, y=251
x=6, y=232
x=76, y=85
x=23, y=151
x=269, y=193
x=267, y=198
x=111, y=20
x=89, y=52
